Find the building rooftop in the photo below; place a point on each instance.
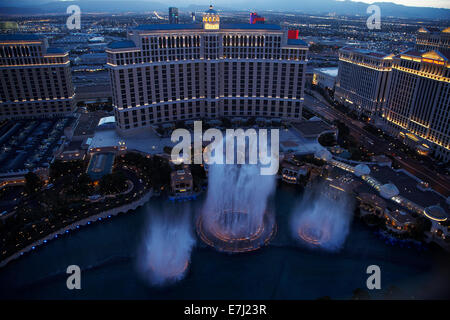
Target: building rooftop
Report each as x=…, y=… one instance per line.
x=248, y=26
x=389, y=190
x=56, y=50
x=436, y=213
x=122, y=44
x=366, y=52
x=408, y=186
x=372, y=198
x=433, y=30
x=432, y=54
x=296, y=42
x=19, y=37
x=106, y=120
x=401, y=217
x=169, y=26
x=199, y=26
x=289, y=165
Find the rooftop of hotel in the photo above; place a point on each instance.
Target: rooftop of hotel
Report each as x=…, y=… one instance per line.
x=433, y=30
x=122, y=44
x=19, y=37
x=366, y=52
x=296, y=42
x=54, y=50
x=433, y=54
x=199, y=26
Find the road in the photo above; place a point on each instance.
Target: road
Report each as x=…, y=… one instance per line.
x=438, y=182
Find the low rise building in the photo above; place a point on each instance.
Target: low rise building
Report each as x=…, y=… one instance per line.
x=399, y=221
x=370, y=203
x=181, y=181
x=325, y=77
x=290, y=172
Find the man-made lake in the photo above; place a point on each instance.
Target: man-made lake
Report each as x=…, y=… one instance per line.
x=107, y=253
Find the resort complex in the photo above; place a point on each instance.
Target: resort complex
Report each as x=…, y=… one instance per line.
x=171, y=72
x=36, y=79
x=270, y=155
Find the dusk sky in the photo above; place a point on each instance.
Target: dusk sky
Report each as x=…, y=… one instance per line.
x=416, y=3
x=236, y=3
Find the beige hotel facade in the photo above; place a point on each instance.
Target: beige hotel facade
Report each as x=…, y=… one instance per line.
x=171, y=72
x=35, y=80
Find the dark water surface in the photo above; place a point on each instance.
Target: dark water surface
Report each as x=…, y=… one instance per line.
x=107, y=254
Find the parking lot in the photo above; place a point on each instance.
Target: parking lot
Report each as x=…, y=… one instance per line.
x=27, y=144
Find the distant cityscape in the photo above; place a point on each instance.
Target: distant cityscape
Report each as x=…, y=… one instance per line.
x=86, y=118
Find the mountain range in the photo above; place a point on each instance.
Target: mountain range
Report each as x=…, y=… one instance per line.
x=342, y=7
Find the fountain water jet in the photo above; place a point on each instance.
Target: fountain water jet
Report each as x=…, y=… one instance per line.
x=235, y=217
x=322, y=219
x=167, y=246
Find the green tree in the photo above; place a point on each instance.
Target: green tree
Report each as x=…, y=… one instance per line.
x=418, y=231
x=360, y=294
x=113, y=183
x=84, y=185
x=327, y=140
x=59, y=168
x=159, y=172
x=32, y=183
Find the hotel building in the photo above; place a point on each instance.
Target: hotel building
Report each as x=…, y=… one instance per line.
x=362, y=81
x=173, y=15
x=418, y=107
x=35, y=80
x=428, y=40
x=170, y=72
